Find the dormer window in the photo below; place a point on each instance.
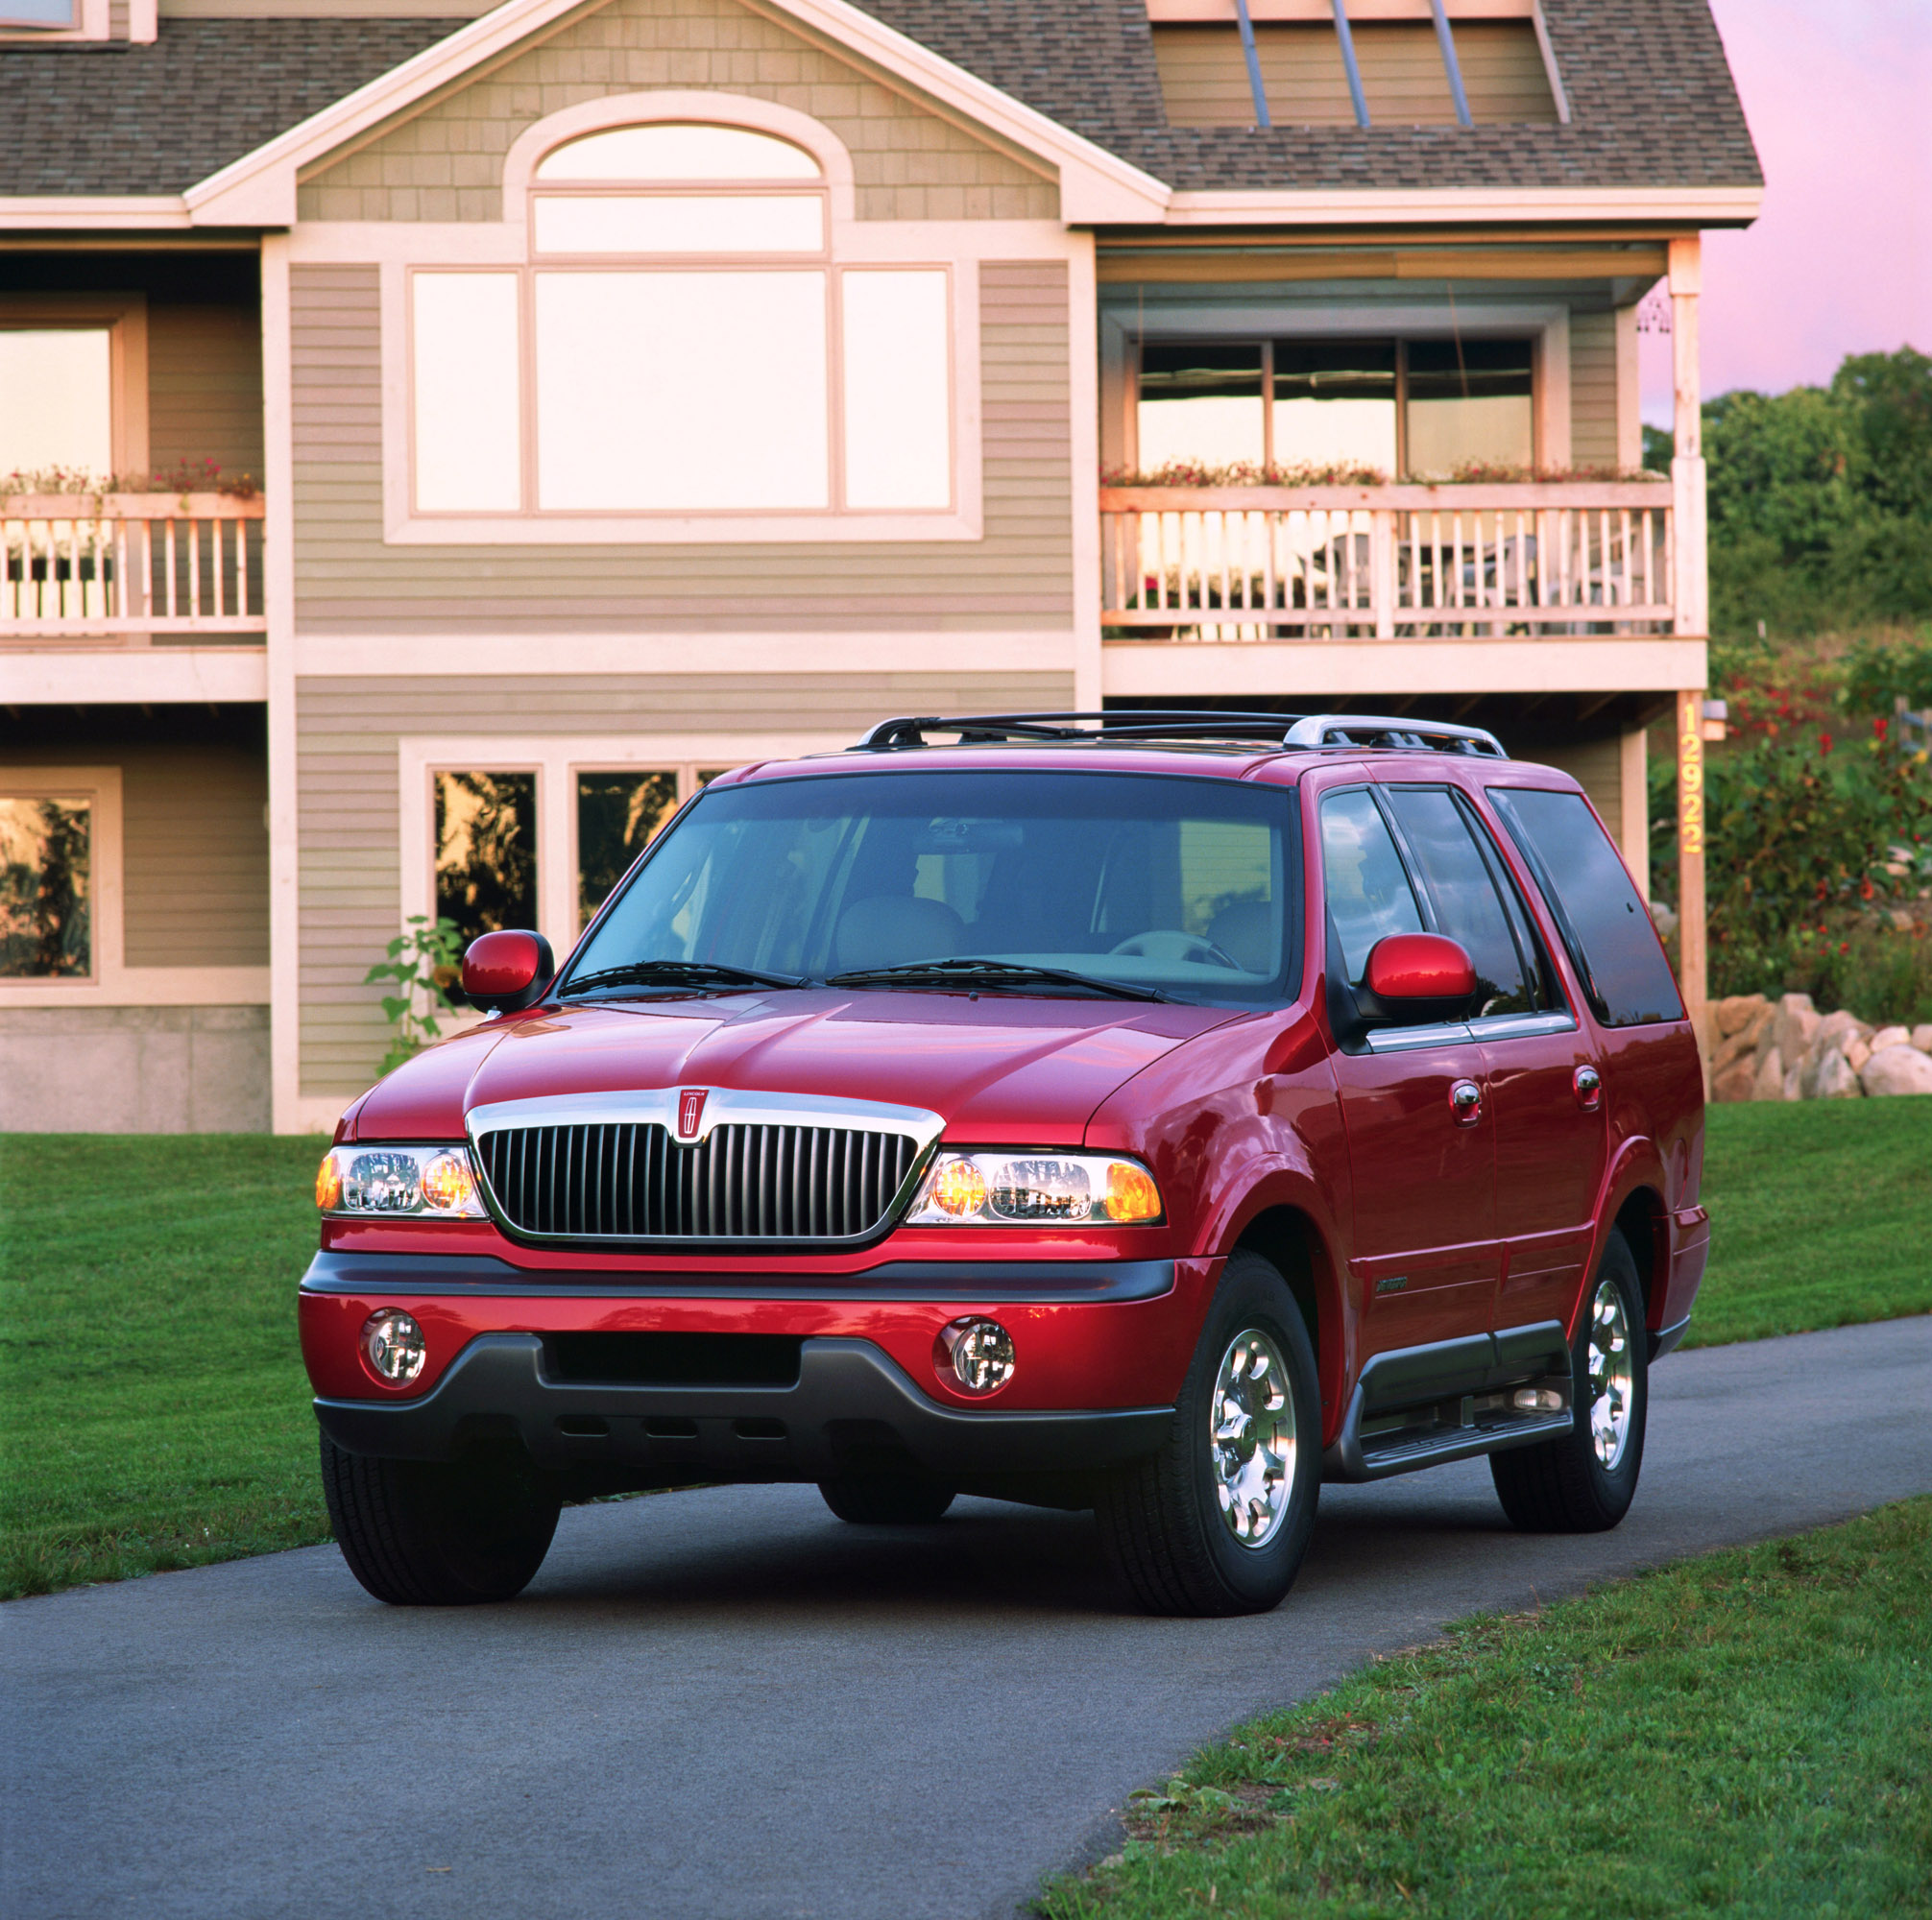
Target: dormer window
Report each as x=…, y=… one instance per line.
x=684, y=341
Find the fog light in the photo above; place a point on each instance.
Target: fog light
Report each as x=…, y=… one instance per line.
x=981, y=1354
x=392, y=1342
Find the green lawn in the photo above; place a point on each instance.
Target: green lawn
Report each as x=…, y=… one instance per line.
x=154, y=1412
x=1820, y=1217
x=1749, y=1733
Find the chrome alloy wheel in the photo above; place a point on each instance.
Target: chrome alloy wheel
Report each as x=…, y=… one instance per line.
x=1612, y=1376
x=1251, y=1431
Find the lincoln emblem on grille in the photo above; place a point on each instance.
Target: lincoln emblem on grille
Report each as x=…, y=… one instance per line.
x=690, y=1112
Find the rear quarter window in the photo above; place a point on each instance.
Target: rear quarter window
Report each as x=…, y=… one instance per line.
x=1605, y=927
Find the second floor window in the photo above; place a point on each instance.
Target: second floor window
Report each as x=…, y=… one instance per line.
x=1413, y=409
x=682, y=341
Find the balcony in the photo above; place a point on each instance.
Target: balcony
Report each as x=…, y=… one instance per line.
x=1523, y=559
x=132, y=569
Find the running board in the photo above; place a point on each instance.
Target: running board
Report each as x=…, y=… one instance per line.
x=1435, y=1435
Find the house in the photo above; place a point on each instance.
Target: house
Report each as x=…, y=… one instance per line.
x=630, y=389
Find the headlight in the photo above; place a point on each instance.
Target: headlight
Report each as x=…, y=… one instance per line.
x=1035, y=1190
x=365, y=1181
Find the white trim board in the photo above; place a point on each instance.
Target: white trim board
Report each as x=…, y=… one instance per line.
x=150, y=675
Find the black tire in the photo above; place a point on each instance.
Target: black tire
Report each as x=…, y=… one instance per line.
x=1162, y=1519
x=887, y=1500
x=422, y=1533
x=1562, y=1485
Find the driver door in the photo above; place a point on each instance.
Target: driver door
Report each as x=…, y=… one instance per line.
x=1424, y=1250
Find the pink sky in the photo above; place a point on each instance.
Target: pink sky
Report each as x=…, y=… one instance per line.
x=1839, y=97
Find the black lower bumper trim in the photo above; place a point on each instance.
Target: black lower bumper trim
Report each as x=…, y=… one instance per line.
x=1665, y=1340
x=850, y=1408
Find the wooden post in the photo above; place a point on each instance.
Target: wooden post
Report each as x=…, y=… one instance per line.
x=1691, y=587
x=1692, y=974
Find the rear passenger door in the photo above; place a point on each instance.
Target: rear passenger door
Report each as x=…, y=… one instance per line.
x=1542, y=1078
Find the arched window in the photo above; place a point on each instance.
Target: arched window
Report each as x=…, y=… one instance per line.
x=682, y=341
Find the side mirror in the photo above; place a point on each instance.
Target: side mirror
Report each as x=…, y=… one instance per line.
x=504, y=972
x=1416, y=976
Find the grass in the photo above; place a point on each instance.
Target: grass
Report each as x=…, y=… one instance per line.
x=1747, y=1734
x=1820, y=1217
x=154, y=1412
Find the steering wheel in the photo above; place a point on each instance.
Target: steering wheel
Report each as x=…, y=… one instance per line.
x=1171, y=943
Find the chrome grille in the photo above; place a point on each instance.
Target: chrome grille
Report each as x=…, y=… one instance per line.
x=632, y=1181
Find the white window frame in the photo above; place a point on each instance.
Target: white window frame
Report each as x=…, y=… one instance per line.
x=556, y=761
x=852, y=246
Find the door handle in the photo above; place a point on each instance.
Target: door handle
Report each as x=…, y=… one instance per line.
x=1589, y=1085
x=1466, y=1103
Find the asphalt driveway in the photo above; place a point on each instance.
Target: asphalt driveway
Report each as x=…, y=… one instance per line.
x=729, y=1703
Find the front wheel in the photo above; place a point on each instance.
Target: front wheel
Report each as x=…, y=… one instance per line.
x=1218, y=1520
x=426, y=1533
x=1583, y=1481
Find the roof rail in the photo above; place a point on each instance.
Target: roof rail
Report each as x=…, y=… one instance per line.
x=1383, y=730
x=1287, y=731
x=1120, y=724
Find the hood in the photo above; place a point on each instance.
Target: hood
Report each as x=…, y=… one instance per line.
x=998, y=1067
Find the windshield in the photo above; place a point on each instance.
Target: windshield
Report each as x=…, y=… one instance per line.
x=1181, y=885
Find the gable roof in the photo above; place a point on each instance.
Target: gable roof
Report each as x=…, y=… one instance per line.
x=109, y=118
x=1652, y=103
x=219, y=104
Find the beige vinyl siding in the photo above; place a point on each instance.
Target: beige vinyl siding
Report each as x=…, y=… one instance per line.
x=1205, y=83
x=1593, y=389
x=194, y=846
x=444, y=161
x=346, y=733
x=1019, y=576
x=1597, y=766
x=204, y=386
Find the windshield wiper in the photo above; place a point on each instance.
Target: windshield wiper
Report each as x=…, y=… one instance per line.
x=680, y=974
x=988, y=973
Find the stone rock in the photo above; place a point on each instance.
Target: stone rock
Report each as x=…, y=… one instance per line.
x=1664, y=919
x=1791, y=1090
x=1739, y=1045
x=1858, y=1052
x=1733, y=1014
x=1839, y=1026
x=1836, y=1080
x=1770, y=1078
x=1795, y=1028
x=1890, y=1036
x=1739, y=1080
x=1921, y=1037
x=1897, y=1070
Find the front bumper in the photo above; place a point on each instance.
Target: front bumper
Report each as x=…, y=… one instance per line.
x=850, y=1408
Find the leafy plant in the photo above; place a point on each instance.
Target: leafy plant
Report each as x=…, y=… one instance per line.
x=423, y=963
x=185, y=477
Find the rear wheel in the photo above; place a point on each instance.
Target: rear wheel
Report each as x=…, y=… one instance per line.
x=1583, y=1481
x=1218, y=1520
x=887, y=1500
x=428, y=1533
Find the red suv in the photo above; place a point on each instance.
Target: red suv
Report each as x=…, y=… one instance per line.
x=1155, y=1113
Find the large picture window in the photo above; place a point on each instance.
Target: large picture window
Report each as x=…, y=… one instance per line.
x=681, y=340
x=1415, y=409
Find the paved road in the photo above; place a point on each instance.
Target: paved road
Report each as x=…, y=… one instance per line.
x=727, y=1703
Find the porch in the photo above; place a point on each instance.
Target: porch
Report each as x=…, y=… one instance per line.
x=1404, y=562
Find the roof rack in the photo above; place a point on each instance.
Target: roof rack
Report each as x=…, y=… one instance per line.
x=1288, y=730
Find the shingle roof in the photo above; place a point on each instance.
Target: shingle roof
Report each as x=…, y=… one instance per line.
x=116, y=119
x=1651, y=97
x=1651, y=101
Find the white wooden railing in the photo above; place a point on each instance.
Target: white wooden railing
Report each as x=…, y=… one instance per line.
x=1407, y=561
x=130, y=565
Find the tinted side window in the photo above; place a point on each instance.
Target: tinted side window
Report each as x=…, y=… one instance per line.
x=1468, y=906
x=1368, y=892
x=1612, y=941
